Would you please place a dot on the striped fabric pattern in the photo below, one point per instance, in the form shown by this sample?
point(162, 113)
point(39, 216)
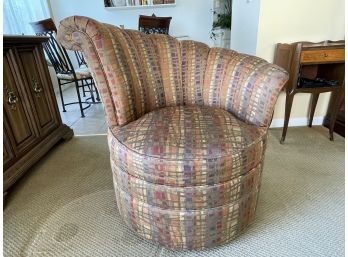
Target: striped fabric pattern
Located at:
point(181, 73)
point(244, 85)
point(194, 57)
point(187, 130)
point(168, 54)
point(153, 90)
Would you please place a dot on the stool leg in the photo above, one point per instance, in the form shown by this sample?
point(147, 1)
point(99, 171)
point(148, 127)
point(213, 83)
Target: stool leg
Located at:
point(315, 97)
point(79, 98)
point(96, 90)
point(90, 86)
point(288, 105)
point(61, 95)
point(83, 89)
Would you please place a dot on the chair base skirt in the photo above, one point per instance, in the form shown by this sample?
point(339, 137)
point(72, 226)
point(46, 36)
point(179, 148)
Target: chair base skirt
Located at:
point(181, 227)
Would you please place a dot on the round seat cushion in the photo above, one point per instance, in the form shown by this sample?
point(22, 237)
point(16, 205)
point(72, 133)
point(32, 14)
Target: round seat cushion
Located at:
point(187, 146)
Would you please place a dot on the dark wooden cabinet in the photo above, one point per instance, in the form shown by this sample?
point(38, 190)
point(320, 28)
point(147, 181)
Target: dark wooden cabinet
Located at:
point(8, 154)
point(32, 123)
point(17, 117)
point(314, 68)
point(30, 61)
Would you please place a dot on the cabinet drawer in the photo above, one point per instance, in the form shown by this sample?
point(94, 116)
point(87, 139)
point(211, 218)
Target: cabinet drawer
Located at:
point(19, 121)
point(318, 56)
point(39, 89)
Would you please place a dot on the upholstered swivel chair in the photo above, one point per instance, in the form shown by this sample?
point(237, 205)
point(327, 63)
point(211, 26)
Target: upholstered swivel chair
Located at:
point(187, 130)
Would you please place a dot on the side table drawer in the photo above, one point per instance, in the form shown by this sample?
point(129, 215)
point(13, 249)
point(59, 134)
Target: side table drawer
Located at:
point(317, 56)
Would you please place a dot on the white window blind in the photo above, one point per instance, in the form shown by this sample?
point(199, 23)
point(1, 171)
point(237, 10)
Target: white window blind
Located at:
point(19, 13)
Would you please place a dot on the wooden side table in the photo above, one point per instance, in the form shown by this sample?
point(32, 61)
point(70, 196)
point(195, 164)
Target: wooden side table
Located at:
point(309, 60)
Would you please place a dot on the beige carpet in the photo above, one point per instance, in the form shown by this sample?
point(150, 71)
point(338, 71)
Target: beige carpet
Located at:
point(65, 206)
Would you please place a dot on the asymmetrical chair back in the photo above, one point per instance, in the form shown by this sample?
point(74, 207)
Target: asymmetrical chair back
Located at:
point(60, 60)
point(187, 130)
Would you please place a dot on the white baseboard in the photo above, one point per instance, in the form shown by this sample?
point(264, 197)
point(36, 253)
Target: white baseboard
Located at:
point(297, 122)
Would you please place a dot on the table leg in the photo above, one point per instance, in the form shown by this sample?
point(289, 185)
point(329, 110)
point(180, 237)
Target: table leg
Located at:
point(333, 116)
point(315, 97)
point(288, 105)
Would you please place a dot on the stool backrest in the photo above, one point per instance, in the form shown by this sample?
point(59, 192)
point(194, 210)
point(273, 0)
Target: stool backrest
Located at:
point(154, 25)
point(56, 53)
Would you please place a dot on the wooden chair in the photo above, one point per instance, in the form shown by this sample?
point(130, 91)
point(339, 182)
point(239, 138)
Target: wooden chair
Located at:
point(66, 73)
point(154, 25)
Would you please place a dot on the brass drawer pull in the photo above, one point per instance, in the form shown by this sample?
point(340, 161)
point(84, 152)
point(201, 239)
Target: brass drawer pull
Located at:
point(36, 87)
point(12, 99)
point(326, 55)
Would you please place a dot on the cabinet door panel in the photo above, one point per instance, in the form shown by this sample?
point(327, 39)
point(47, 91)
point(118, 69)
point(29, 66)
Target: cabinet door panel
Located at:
point(16, 108)
point(8, 154)
point(39, 89)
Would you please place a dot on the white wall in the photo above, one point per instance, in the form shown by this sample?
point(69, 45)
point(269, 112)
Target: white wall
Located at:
point(287, 21)
point(190, 17)
point(244, 28)
point(257, 26)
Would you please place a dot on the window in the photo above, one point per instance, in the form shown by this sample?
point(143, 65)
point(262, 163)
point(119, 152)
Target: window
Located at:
point(19, 13)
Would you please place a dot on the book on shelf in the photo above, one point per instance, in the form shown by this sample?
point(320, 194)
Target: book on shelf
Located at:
point(132, 2)
point(119, 2)
point(111, 3)
point(108, 3)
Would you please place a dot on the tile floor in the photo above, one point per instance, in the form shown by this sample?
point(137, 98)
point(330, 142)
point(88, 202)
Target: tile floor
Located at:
point(94, 121)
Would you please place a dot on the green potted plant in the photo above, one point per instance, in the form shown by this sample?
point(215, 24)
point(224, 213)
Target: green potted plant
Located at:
point(222, 22)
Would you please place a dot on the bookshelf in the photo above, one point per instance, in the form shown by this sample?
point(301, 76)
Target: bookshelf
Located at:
point(133, 4)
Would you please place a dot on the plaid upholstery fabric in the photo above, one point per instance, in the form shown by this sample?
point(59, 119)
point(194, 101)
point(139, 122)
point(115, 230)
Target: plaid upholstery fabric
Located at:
point(187, 130)
point(193, 229)
point(188, 197)
point(187, 145)
point(191, 167)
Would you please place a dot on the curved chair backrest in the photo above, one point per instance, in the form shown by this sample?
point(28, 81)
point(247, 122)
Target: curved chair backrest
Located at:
point(154, 25)
point(48, 28)
point(136, 73)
